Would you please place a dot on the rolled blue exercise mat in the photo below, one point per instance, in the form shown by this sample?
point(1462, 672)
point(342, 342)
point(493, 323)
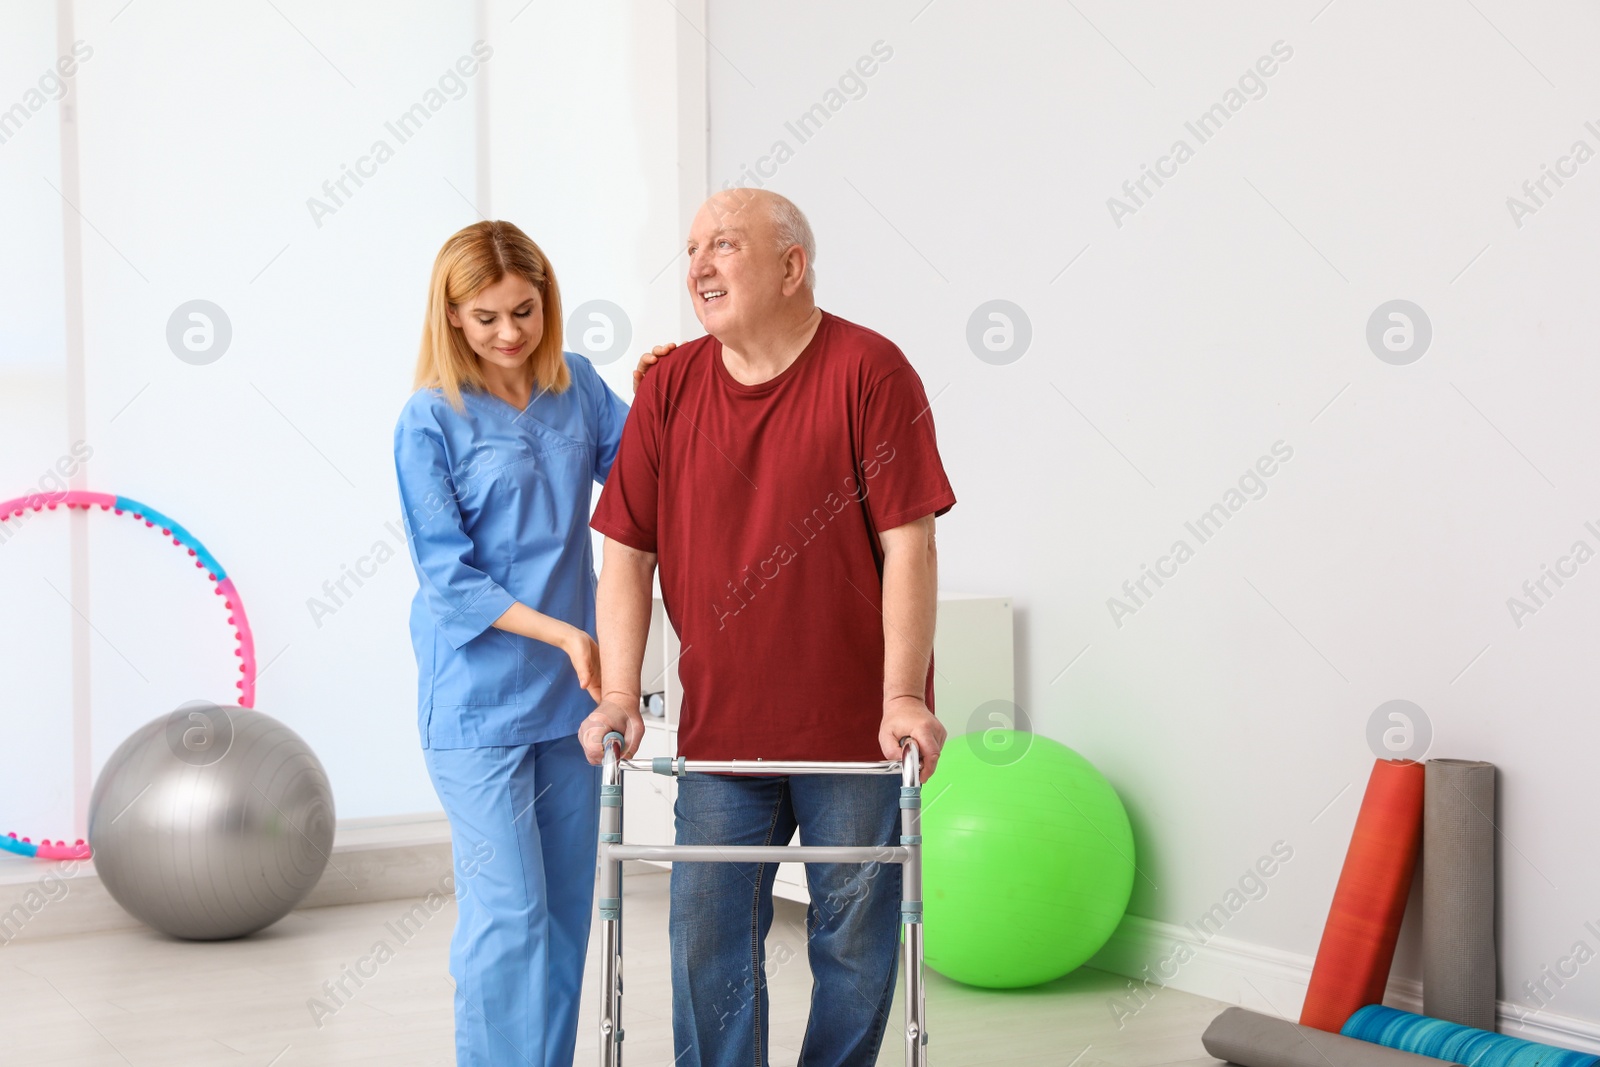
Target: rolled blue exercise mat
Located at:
point(1458, 1044)
point(1251, 1039)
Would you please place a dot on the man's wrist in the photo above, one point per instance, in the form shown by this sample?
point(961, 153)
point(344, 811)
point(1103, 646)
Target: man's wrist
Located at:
point(901, 700)
point(625, 699)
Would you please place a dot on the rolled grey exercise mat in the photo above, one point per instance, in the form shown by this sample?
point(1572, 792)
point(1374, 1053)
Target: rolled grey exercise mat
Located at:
point(1458, 850)
point(1251, 1039)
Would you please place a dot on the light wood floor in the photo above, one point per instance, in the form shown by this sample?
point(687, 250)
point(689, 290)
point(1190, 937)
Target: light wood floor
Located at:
point(137, 998)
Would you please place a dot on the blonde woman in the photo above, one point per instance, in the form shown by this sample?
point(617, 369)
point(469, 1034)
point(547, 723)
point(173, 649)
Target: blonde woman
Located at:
point(497, 453)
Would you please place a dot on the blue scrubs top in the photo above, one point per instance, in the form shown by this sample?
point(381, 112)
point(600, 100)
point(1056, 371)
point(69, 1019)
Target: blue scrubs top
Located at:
point(497, 506)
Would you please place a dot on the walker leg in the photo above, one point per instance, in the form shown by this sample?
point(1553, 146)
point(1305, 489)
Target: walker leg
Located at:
point(916, 1003)
point(610, 909)
point(611, 996)
point(911, 908)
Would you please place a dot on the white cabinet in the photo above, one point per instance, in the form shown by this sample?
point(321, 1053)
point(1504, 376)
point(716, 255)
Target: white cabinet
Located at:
point(972, 658)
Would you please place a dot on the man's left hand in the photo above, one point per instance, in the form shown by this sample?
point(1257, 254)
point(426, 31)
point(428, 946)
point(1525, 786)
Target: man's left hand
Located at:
point(910, 717)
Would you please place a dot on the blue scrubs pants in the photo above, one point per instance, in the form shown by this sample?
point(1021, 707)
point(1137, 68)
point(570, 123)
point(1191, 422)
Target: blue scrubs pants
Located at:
point(524, 821)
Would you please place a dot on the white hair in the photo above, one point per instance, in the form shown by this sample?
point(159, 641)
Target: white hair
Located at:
point(793, 229)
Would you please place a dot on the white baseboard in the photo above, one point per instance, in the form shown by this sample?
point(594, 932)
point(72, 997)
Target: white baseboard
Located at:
point(389, 858)
point(1154, 955)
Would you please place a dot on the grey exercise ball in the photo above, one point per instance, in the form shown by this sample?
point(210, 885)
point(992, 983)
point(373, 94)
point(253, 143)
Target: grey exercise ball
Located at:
point(211, 822)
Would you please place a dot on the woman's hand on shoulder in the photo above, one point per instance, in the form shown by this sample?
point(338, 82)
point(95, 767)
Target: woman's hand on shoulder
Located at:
point(647, 360)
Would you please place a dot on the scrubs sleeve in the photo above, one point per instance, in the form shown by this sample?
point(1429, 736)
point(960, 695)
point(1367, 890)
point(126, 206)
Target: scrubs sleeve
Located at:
point(627, 510)
point(613, 416)
point(463, 599)
point(607, 413)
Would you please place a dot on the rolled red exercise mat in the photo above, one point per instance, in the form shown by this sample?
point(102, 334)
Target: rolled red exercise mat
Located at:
point(1251, 1039)
point(1358, 941)
point(1458, 857)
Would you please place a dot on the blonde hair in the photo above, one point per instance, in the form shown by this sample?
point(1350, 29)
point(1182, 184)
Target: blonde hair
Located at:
point(470, 261)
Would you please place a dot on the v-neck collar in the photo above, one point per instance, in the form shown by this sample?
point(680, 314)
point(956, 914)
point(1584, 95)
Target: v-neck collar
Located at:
point(504, 407)
point(523, 420)
point(486, 394)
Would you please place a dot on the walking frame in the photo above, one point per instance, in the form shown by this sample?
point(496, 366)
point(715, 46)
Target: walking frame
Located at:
point(612, 852)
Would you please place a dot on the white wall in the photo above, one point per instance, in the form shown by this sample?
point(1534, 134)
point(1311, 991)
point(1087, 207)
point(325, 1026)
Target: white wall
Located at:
point(1229, 313)
point(35, 571)
point(204, 133)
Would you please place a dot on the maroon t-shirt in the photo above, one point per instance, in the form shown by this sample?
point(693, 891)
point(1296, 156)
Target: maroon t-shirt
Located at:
point(763, 504)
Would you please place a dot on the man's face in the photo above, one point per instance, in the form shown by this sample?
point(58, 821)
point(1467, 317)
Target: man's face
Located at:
point(736, 270)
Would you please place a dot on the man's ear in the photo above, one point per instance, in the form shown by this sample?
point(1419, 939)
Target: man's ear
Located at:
point(794, 270)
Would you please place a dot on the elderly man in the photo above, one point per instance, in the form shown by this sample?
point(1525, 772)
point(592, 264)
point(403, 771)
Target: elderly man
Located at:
point(784, 474)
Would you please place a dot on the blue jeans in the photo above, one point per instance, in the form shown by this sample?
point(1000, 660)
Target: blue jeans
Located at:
point(721, 913)
point(524, 827)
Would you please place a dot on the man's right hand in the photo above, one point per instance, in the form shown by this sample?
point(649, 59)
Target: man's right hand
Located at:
point(612, 714)
point(646, 360)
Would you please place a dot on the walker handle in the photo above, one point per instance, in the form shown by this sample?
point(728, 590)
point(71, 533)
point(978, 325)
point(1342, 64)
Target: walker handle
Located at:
point(605, 742)
point(910, 762)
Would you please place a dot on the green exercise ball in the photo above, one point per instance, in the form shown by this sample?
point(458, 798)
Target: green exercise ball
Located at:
point(1027, 860)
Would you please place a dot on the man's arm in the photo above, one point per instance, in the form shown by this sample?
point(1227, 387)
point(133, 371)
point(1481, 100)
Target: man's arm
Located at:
point(910, 601)
point(622, 620)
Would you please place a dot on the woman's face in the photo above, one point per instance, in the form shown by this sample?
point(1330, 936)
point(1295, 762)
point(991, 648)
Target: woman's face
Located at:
point(503, 322)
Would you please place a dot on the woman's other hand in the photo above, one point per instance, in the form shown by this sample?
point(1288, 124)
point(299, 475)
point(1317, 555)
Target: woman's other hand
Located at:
point(585, 656)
